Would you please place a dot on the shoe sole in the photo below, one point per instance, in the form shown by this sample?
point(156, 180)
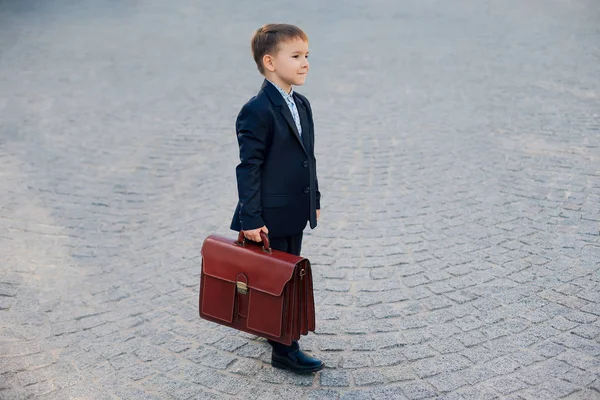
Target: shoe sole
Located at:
point(279, 365)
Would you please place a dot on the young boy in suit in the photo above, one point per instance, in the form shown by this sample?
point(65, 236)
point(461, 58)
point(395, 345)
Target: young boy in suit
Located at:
point(276, 178)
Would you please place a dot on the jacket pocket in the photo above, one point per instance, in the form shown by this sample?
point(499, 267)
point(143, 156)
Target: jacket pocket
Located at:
point(275, 201)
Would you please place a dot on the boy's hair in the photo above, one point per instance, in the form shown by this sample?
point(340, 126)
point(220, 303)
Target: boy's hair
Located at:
point(267, 38)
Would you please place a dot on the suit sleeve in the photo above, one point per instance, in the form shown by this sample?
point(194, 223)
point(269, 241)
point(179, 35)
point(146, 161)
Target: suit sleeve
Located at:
point(318, 203)
point(252, 130)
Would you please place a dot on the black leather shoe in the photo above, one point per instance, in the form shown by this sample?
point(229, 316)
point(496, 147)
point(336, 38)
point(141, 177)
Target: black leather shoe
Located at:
point(296, 361)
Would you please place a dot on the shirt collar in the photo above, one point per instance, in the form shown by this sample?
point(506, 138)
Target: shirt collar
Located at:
point(283, 93)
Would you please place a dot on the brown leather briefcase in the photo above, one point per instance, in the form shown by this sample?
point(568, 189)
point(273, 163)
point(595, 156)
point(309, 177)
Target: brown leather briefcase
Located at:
point(255, 289)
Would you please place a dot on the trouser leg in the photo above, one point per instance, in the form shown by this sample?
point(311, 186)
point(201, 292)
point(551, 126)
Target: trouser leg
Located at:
point(292, 245)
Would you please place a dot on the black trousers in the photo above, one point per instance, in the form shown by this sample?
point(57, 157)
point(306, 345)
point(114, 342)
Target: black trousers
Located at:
point(289, 244)
point(292, 245)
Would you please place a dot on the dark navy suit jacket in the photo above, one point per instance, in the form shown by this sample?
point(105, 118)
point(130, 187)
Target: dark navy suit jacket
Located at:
point(276, 178)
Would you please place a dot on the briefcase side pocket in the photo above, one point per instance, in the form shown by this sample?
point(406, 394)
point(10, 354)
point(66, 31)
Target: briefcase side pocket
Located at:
point(265, 313)
point(218, 298)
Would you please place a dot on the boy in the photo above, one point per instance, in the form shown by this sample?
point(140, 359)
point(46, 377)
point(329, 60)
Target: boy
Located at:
point(277, 181)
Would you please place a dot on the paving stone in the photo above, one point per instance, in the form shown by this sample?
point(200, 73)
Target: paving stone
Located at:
point(586, 394)
point(526, 357)
point(65, 327)
point(40, 388)
point(515, 325)
point(562, 323)
point(27, 378)
point(587, 331)
point(417, 390)
point(595, 385)
point(233, 385)
point(331, 360)
point(418, 352)
point(559, 387)
point(450, 396)
point(208, 378)
point(440, 317)
point(17, 394)
point(84, 390)
point(165, 363)
point(535, 394)
point(461, 296)
point(399, 373)
point(506, 345)
point(364, 377)
point(414, 321)
point(414, 337)
point(415, 280)
point(579, 378)
point(549, 349)
point(472, 338)
point(332, 344)
point(178, 346)
point(230, 344)
point(330, 313)
point(446, 330)
point(583, 345)
point(253, 350)
point(273, 375)
point(137, 372)
point(591, 308)
point(356, 395)
point(246, 367)
point(477, 374)
point(323, 394)
point(177, 389)
point(503, 365)
point(580, 360)
point(388, 392)
point(508, 385)
point(468, 323)
point(436, 365)
point(447, 382)
point(335, 378)
point(148, 353)
point(356, 361)
point(91, 322)
point(123, 361)
point(217, 359)
point(388, 357)
point(445, 346)
point(436, 303)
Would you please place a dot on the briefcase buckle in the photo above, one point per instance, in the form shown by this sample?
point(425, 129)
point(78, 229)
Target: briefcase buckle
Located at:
point(242, 288)
point(302, 273)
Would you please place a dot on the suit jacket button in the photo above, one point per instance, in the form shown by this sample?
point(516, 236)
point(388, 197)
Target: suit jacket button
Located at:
point(305, 164)
point(306, 189)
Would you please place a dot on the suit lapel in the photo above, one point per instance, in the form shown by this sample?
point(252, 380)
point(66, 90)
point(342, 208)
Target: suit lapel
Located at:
point(303, 122)
point(287, 114)
point(280, 103)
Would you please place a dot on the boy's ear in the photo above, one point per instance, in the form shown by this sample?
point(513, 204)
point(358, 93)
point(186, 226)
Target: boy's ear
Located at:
point(268, 62)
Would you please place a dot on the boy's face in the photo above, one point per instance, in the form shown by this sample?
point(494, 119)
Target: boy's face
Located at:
point(290, 64)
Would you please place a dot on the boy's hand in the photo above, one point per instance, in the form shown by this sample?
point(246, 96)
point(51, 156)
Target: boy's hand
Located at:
point(254, 234)
point(318, 214)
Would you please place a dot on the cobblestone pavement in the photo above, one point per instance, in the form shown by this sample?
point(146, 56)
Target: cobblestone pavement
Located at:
point(458, 145)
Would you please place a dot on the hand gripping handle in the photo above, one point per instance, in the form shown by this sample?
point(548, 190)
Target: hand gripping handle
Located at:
point(265, 240)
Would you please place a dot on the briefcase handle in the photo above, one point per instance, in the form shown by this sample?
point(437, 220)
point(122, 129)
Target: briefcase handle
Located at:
point(265, 239)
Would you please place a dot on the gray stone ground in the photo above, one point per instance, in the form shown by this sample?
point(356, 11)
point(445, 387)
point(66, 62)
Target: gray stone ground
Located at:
point(458, 143)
